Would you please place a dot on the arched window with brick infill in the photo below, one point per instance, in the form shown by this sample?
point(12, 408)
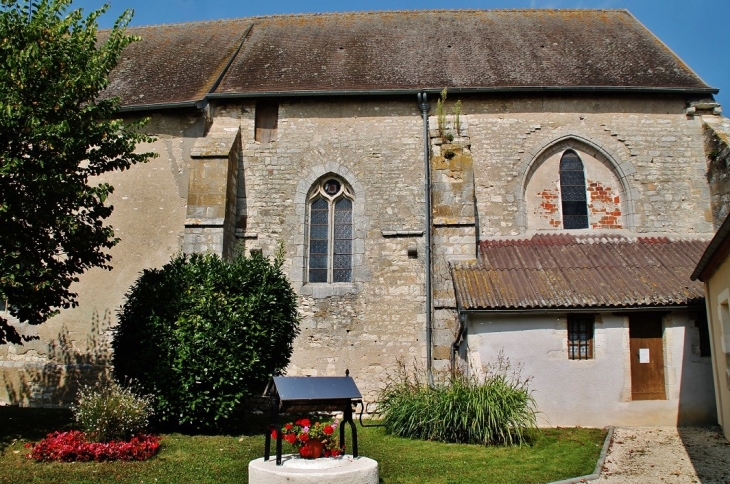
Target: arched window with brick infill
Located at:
point(573, 191)
point(330, 232)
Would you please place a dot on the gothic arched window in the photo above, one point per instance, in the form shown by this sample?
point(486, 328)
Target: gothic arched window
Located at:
point(330, 232)
point(573, 191)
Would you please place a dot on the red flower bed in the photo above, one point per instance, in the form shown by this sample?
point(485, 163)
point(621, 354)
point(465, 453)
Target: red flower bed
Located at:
point(72, 447)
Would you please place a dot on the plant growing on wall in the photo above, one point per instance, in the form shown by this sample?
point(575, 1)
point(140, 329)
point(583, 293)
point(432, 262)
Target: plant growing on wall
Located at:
point(456, 111)
point(202, 334)
point(56, 135)
point(441, 113)
point(441, 116)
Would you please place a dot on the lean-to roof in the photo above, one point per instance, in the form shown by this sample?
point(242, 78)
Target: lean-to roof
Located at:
point(586, 271)
point(403, 51)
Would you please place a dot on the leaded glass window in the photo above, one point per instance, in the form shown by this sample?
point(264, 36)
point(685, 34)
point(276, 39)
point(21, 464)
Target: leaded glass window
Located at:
point(573, 192)
point(330, 232)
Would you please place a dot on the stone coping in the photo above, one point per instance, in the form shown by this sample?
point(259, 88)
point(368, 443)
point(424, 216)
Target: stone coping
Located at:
point(361, 470)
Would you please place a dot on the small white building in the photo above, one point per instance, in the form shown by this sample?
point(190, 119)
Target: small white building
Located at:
point(609, 328)
point(714, 270)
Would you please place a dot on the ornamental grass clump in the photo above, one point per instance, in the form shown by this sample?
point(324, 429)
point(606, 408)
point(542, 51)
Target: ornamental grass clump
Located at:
point(496, 410)
point(109, 411)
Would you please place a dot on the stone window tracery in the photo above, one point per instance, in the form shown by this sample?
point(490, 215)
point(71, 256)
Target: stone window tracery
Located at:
point(573, 191)
point(330, 232)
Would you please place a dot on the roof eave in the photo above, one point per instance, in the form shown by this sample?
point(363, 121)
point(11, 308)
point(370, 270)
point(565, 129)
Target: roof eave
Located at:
point(461, 90)
point(602, 309)
point(162, 106)
point(407, 92)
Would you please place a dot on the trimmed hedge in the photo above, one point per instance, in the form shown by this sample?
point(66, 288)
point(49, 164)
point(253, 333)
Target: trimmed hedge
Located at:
point(202, 334)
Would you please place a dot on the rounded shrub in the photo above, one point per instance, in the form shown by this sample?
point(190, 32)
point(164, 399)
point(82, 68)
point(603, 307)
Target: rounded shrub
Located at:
point(202, 334)
point(108, 411)
point(496, 410)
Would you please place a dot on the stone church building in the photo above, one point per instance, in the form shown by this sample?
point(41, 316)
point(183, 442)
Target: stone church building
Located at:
point(551, 213)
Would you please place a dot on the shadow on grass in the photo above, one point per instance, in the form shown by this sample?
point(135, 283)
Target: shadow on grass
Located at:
point(246, 424)
point(31, 424)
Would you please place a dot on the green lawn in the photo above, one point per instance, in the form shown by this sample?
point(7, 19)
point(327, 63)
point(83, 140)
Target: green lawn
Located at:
point(557, 454)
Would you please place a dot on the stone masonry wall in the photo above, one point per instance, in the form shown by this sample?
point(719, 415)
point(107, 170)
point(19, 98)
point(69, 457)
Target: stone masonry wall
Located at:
point(654, 152)
point(717, 148)
point(149, 213)
point(368, 325)
point(657, 148)
point(212, 190)
point(454, 227)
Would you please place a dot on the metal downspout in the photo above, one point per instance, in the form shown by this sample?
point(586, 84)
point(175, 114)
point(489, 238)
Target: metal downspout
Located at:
point(423, 104)
point(459, 339)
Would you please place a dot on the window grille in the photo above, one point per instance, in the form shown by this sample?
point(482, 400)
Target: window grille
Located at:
point(580, 337)
point(330, 232)
point(573, 191)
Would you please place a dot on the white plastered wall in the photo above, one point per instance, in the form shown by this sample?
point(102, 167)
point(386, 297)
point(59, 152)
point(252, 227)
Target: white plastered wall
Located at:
point(596, 392)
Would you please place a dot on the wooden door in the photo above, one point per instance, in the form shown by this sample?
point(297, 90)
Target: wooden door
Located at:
point(647, 357)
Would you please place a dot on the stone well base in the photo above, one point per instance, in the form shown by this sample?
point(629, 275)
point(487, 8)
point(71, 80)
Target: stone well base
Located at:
point(332, 470)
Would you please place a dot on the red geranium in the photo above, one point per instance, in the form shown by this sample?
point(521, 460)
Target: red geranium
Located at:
point(299, 433)
point(72, 447)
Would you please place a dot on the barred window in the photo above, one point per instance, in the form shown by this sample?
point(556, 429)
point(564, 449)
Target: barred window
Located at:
point(330, 232)
point(573, 191)
point(580, 337)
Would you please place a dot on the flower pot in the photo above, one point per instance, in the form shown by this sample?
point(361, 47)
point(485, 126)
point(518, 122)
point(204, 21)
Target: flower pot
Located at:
point(313, 449)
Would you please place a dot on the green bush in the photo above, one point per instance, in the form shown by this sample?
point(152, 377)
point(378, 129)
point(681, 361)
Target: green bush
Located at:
point(202, 334)
point(497, 409)
point(109, 411)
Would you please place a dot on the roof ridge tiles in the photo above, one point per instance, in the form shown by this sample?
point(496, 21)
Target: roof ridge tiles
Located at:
point(376, 12)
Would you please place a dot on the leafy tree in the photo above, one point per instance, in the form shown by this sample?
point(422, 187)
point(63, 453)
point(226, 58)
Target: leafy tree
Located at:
point(56, 135)
point(202, 334)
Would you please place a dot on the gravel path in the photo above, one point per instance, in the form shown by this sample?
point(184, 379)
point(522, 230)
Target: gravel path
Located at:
point(667, 455)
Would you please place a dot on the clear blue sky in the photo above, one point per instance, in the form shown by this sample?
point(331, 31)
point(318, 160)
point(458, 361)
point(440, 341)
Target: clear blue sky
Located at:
point(696, 30)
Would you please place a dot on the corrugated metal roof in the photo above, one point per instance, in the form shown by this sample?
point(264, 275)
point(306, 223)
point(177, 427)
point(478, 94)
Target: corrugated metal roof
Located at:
point(406, 50)
point(580, 271)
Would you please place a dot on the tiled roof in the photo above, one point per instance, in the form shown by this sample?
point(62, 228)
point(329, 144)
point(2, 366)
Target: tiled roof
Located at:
point(401, 51)
point(570, 271)
point(175, 63)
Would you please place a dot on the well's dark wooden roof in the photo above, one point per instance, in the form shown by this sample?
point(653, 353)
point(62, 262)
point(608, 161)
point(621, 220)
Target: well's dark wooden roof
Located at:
point(399, 51)
point(587, 271)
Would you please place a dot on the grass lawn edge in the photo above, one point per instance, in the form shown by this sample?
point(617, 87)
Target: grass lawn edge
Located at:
point(599, 463)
